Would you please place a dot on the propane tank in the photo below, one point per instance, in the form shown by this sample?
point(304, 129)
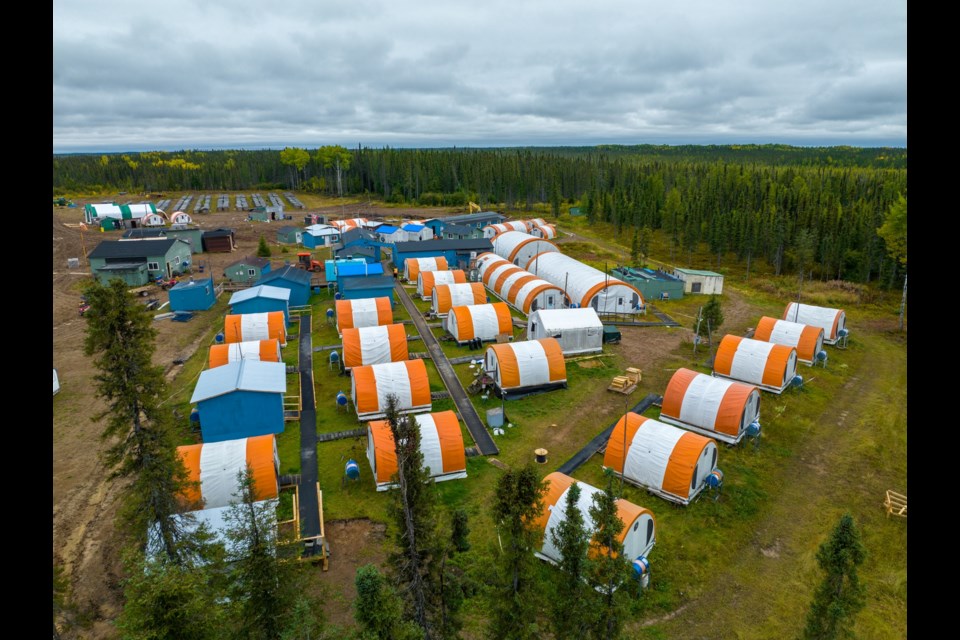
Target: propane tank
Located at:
point(352, 470)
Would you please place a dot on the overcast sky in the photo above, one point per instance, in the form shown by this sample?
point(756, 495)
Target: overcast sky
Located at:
point(175, 74)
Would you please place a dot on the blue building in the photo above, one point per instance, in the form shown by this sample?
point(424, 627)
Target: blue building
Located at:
point(390, 234)
point(320, 235)
point(330, 267)
point(289, 277)
point(356, 287)
point(416, 232)
point(193, 295)
point(360, 238)
point(367, 254)
point(240, 400)
point(262, 298)
point(475, 220)
point(457, 252)
point(361, 270)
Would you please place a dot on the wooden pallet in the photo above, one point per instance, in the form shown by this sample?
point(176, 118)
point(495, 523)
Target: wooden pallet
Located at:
point(896, 504)
point(626, 384)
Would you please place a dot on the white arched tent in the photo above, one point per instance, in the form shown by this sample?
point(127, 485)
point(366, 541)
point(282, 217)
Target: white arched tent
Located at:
point(714, 407)
point(832, 321)
point(765, 364)
point(586, 286)
point(805, 338)
point(520, 247)
point(483, 321)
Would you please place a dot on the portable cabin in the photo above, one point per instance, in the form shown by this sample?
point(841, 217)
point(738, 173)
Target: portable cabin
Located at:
point(330, 267)
point(832, 321)
point(806, 338)
point(412, 267)
point(360, 287)
point(391, 234)
point(374, 345)
point(193, 295)
point(240, 399)
point(427, 280)
point(637, 537)
point(446, 296)
point(546, 231)
point(137, 262)
point(214, 467)
point(765, 364)
point(665, 460)
point(714, 407)
point(219, 241)
point(250, 269)
point(264, 350)
point(245, 327)
point(493, 230)
point(320, 235)
point(700, 281)
point(519, 247)
point(416, 232)
point(290, 235)
point(483, 321)
point(366, 312)
point(408, 381)
point(586, 286)
point(441, 443)
point(262, 298)
point(362, 269)
point(521, 368)
point(290, 277)
point(577, 330)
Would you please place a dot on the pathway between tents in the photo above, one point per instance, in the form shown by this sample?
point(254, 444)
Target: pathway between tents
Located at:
point(467, 411)
point(309, 506)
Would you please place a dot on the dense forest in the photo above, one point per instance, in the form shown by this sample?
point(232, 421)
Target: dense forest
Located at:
point(798, 208)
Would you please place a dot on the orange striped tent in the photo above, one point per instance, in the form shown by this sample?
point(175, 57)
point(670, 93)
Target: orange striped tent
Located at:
point(370, 386)
point(806, 338)
point(374, 345)
point(484, 321)
point(352, 223)
point(441, 443)
point(427, 280)
point(245, 327)
point(546, 231)
point(667, 461)
point(446, 296)
point(525, 367)
point(214, 466)
point(714, 407)
point(832, 321)
point(533, 223)
point(493, 230)
point(413, 266)
point(519, 247)
point(266, 350)
point(363, 312)
point(769, 366)
point(638, 534)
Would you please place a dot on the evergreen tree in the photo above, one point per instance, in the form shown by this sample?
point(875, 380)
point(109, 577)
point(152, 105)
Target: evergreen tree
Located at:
point(635, 249)
point(804, 251)
point(608, 570)
point(263, 249)
point(840, 596)
point(460, 531)
point(142, 446)
point(712, 318)
point(379, 610)
point(518, 502)
point(571, 605)
point(894, 234)
point(643, 245)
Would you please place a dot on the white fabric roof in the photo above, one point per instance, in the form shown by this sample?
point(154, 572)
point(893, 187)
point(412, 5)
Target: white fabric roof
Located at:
point(245, 375)
point(216, 521)
point(822, 317)
point(260, 291)
point(579, 279)
point(559, 319)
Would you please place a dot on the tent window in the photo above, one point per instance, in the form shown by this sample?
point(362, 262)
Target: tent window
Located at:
point(636, 525)
point(533, 328)
point(693, 480)
point(550, 300)
point(649, 530)
point(713, 463)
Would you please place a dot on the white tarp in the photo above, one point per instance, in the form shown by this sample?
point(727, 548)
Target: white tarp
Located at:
point(532, 363)
point(253, 326)
point(579, 330)
point(486, 324)
point(520, 247)
point(56, 382)
point(461, 294)
point(609, 295)
point(220, 462)
point(822, 317)
point(364, 312)
point(649, 453)
point(430, 444)
point(702, 400)
point(556, 517)
point(551, 298)
point(375, 344)
point(750, 360)
point(392, 377)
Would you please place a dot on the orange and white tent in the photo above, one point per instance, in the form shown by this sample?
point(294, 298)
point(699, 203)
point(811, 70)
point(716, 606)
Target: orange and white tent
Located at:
point(427, 280)
point(484, 321)
point(721, 409)
point(413, 266)
point(179, 217)
point(216, 465)
point(351, 223)
point(546, 231)
point(517, 287)
point(265, 350)
point(638, 534)
point(441, 443)
point(484, 258)
point(493, 230)
point(408, 381)
point(447, 296)
point(245, 327)
point(374, 345)
point(832, 321)
point(667, 461)
point(535, 222)
point(519, 247)
point(769, 366)
point(363, 312)
point(806, 338)
point(532, 365)
point(586, 286)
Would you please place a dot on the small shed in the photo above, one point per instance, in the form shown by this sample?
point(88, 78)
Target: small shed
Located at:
point(290, 235)
point(416, 232)
point(289, 277)
point(654, 284)
point(699, 281)
point(219, 241)
point(391, 234)
point(250, 269)
point(320, 235)
point(240, 400)
point(193, 295)
point(262, 298)
point(577, 330)
point(358, 287)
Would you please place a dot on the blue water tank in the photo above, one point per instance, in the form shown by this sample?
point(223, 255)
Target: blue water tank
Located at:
point(329, 313)
point(641, 566)
point(337, 296)
point(195, 416)
point(342, 399)
point(715, 479)
point(821, 356)
point(219, 338)
point(353, 469)
point(797, 381)
point(753, 429)
point(334, 357)
point(842, 333)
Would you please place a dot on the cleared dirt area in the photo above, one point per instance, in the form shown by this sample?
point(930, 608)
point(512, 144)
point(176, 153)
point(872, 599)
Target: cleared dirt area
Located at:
point(356, 542)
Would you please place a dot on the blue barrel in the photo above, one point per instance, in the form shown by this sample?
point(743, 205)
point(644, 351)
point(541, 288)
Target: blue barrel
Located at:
point(219, 338)
point(821, 356)
point(316, 289)
point(753, 429)
point(195, 416)
point(842, 333)
point(329, 313)
point(337, 296)
point(641, 567)
point(334, 357)
point(797, 381)
point(353, 469)
point(342, 399)
point(715, 479)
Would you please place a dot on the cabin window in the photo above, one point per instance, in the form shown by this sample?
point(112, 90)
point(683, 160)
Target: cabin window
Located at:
point(251, 272)
point(153, 266)
point(176, 259)
point(695, 287)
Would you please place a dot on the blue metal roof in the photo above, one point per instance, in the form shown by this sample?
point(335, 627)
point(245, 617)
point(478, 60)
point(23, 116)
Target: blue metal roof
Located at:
point(260, 291)
point(245, 375)
point(180, 286)
point(412, 227)
point(359, 269)
point(385, 228)
point(355, 283)
point(287, 273)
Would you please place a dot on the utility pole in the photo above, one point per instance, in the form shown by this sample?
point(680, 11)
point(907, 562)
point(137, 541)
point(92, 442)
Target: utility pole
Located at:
point(696, 333)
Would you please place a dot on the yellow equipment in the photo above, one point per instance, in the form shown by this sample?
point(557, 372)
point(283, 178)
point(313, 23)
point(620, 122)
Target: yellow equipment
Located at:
point(474, 207)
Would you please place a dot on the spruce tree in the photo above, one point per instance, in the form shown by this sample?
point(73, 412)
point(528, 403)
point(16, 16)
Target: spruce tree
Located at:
point(608, 570)
point(712, 318)
point(840, 596)
point(379, 610)
point(263, 249)
point(459, 531)
point(572, 598)
point(518, 502)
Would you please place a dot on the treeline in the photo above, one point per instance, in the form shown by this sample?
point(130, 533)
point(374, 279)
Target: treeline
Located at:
point(775, 202)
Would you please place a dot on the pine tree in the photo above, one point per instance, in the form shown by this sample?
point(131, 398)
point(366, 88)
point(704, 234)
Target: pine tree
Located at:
point(572, 598)
point(712, 318)
point(608, 570)
point(635, 249)
point(142, 446)
point(840, 596)
point(459, 531)
point(518, 502)
point(263, 249)
point(894, 234)
point(379, 610)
